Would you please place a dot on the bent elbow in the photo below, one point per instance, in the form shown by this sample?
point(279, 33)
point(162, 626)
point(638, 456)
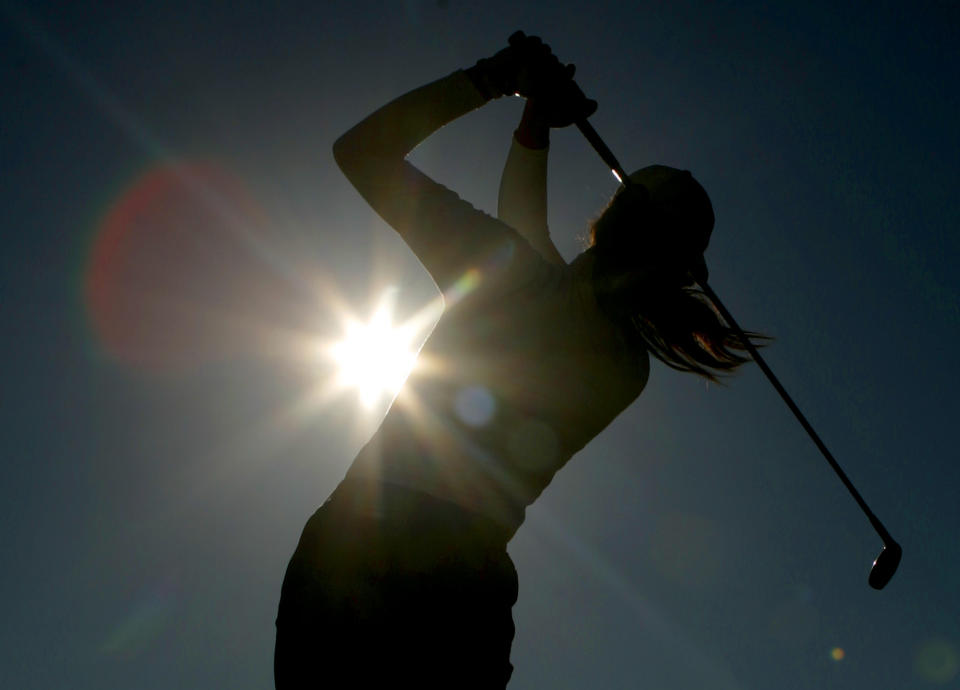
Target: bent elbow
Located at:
point(360, 160)
point(356, 156)
point(343, 153)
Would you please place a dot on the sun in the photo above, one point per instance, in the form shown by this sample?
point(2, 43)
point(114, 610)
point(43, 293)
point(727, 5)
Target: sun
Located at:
point(375, 357)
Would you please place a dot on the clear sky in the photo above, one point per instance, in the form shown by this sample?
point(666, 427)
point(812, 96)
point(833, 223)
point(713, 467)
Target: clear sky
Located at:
point(162, 435)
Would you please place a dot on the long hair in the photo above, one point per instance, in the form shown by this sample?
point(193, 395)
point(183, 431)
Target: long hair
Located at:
point(675, 322)
point(681, 328)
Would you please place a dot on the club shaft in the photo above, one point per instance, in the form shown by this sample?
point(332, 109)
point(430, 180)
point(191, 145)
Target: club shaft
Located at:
point(607, 155)
point(728, 317)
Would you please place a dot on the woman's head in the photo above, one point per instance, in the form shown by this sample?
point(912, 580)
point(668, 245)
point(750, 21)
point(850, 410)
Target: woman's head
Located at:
point(659, 223)
point(648, 249)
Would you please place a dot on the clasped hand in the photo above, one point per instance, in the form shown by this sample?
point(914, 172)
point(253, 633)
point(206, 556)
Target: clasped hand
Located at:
point(529, 68)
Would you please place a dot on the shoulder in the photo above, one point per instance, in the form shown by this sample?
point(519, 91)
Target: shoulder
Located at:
point(608, 340)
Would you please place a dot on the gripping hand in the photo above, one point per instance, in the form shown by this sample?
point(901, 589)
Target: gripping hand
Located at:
point(527, 67)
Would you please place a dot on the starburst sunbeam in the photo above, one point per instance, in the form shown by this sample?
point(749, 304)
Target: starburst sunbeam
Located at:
point(376, 356)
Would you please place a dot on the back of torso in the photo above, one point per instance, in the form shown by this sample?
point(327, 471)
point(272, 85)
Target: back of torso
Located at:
point(508, 387)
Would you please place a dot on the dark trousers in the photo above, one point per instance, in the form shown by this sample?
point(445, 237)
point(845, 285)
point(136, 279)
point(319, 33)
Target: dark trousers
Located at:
point(390, 587)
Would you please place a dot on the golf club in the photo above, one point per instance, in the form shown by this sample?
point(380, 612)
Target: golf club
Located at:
point(885, 565)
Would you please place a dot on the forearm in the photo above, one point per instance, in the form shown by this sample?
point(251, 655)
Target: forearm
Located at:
point(522, 199)
point(446, 233)
point(522, 202)
point(533, 132)
point(390, 133)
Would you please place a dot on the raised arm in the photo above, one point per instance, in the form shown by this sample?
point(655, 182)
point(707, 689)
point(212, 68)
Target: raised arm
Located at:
point(430, 218)
point(523, 185)
point(447, 234)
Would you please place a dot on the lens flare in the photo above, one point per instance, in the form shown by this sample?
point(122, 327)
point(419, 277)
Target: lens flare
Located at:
point(475, 405)
point(175, 268)
point(146, 619)
point(937, 661)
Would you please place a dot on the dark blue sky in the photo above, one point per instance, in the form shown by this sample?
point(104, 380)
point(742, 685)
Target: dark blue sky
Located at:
point(152, 499)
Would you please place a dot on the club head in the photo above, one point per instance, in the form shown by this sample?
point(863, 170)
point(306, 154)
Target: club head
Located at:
point(885, 565)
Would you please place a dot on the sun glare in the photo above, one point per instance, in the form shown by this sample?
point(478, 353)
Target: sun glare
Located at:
point(375, 357)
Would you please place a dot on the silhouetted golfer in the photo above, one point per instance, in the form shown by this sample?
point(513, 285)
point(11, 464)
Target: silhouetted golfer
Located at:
point(402, 578)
